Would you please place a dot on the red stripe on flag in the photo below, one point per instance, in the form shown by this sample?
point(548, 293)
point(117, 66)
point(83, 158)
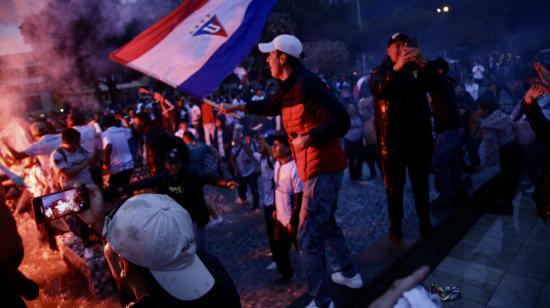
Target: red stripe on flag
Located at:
point(156, 33)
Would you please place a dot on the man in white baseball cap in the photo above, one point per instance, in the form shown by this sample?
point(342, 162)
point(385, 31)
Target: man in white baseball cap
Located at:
point(314, 121)
point(150, 248)
point(286, 43)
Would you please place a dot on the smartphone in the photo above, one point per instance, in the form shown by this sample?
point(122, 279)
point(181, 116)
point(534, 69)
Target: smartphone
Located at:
point(411, 43)
point(60, 204)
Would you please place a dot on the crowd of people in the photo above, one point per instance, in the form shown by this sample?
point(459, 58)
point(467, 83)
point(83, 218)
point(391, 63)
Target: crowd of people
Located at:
point(288, 143)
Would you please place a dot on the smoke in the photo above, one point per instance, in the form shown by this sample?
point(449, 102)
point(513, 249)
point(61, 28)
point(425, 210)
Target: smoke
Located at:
point(13, 11)
point(72, 39)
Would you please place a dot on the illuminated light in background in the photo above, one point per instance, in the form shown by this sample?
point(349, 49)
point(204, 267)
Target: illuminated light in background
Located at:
point(446, 9)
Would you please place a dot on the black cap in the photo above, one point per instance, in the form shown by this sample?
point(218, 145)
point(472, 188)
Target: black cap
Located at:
point(282, 138)
point(440, 63)
point(172, 156)
point(398, 37)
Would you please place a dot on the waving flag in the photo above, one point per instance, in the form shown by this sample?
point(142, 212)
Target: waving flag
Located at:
point(197, 45)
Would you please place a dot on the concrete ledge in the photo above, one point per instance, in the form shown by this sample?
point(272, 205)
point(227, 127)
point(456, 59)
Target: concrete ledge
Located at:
point(386, 260)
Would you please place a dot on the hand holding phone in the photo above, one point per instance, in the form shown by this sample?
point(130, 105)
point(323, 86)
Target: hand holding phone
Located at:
point(60, 204)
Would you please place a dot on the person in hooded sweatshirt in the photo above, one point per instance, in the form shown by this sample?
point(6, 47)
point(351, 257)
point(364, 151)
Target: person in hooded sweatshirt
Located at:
point(501, 144)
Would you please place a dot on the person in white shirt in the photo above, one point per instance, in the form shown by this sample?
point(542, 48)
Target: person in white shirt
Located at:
point(246, 169)
point(42, 148)
point(195, 115)
point(184, 127)
point(90, 139)
point(288, 198)
point(267, 163)
point(117, 157)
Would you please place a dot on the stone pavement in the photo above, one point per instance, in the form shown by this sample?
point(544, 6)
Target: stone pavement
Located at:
point(503, 261)
point(240, 242)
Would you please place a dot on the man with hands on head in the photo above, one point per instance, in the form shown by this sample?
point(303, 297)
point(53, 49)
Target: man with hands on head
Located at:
point(404, 130)
point(314, 120)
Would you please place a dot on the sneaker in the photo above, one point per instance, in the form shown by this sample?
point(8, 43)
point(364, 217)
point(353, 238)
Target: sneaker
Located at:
point(314, 305)
point(354, 282)
point(216, 221)
point(272, 266)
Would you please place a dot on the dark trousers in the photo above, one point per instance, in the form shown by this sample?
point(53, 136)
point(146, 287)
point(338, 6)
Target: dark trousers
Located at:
point(510, 171)
point(270, 227)
point(371, 156)
point(281, 248)
point(97, 175)
point(252, 181)
point(121, 178)
point(355, 159)
point(395, 169)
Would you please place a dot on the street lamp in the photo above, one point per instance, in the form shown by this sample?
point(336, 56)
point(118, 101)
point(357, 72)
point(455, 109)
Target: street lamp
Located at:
point(444, 9)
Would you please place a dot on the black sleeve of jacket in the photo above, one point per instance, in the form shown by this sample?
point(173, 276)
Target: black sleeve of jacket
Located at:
point(268, 107)
point(383, 81)
point(319, 101)
point(429, 78)
point(538, 121)
point(208, 179)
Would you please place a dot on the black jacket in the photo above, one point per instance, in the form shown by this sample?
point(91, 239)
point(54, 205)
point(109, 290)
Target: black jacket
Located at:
point(541, 126)
point(445, 105)
point(402, 113)
point(185, 188)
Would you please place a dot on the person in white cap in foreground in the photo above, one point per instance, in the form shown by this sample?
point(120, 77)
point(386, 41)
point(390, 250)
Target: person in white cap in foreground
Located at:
point(150, 248)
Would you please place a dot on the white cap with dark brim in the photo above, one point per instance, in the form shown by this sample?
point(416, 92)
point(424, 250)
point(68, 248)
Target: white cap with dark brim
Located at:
point(155, 232)
point(286, 43)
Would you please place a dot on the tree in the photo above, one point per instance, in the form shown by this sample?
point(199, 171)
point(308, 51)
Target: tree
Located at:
point(327, 56)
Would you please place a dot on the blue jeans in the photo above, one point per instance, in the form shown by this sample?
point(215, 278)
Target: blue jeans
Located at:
point(446, 163)
point(317, 225)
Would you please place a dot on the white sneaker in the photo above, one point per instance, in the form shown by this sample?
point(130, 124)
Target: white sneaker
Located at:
point(272, 266)
point(314, 305)
point(354, 282)
point(216, 221)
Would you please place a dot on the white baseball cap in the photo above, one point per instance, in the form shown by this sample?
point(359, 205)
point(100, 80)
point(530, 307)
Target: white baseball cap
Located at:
point(286, 43)
point(155, 232)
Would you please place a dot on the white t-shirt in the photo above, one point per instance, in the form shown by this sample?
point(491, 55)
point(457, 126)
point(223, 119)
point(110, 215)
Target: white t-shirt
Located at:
point(478, 71)
point(70, 160)
point(287, 183)
point(244, 162)
point(121, 157)
point(179, 133)
point(90, 139)
point(43, 148)
point(195, 115)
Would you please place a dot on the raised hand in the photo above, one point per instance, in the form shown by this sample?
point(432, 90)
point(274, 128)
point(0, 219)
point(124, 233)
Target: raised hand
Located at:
point(533, 93)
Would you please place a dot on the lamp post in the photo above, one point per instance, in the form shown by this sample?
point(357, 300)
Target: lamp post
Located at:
point(360, 27)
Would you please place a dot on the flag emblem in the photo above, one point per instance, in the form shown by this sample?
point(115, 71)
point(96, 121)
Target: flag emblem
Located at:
point(212, 27)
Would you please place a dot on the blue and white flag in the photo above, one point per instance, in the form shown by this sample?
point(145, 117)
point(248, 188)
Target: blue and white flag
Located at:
point(198, 44)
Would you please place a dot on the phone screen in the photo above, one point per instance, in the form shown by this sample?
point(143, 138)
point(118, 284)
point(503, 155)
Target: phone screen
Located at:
point(60, 204)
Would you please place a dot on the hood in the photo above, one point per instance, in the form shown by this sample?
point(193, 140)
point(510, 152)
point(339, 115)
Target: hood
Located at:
point(497, 120)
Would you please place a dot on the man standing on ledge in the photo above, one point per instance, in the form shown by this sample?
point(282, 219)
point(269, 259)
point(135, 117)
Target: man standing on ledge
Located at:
point(404, 129)
point(313, 120)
